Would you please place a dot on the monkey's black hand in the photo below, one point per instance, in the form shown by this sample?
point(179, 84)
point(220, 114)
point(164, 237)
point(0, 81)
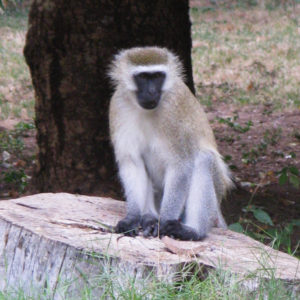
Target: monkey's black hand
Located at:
point(128, 226)
point(149, 225)
point(177, 230)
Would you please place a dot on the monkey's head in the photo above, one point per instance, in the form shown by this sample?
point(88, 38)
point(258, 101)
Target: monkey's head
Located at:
point(147, 72)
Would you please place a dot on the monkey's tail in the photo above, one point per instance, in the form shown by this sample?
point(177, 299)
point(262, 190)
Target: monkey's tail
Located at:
point(223, 177)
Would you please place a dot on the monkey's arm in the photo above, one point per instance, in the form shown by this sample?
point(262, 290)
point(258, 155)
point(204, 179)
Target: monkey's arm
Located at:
point(138, 192)
point(175, 193)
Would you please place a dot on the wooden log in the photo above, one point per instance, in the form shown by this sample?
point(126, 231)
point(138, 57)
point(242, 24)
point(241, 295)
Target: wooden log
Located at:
point(49, 241)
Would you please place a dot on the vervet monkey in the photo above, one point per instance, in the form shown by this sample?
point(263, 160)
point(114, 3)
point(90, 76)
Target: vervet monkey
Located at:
point(172, 173)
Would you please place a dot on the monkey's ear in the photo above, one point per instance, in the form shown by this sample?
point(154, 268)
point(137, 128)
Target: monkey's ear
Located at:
point(120, 70)
point(114, 69)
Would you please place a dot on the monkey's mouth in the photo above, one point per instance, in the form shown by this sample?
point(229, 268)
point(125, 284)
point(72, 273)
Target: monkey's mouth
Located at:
point(149, 105)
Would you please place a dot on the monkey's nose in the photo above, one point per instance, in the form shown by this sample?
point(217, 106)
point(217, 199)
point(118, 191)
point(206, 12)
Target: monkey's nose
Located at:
point(152, 90)
point(149, 103)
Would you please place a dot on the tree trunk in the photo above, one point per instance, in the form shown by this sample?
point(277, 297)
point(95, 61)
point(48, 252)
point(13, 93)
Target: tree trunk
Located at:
point(55, 244)
point(68, 48)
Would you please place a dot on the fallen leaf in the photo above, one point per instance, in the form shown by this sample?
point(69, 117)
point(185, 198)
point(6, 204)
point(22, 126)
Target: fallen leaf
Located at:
point(286, 202)
point(250, 86)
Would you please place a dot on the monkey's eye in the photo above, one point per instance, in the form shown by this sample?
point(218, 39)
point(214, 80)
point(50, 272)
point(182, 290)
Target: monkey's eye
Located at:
point(143, 75)
point(158, 75)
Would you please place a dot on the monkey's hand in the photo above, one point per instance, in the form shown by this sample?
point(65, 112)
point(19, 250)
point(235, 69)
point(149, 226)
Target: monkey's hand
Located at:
point(177, 230)
point(149, 225)
point(129, 225)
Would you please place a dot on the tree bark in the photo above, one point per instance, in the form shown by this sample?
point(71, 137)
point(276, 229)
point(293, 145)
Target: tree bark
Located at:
point(55, 244)
point(69, 45)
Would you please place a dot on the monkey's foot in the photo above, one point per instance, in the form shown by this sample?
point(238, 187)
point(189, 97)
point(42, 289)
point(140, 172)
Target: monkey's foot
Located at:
point(128, 226)
point(149, 225)
point(177, 230)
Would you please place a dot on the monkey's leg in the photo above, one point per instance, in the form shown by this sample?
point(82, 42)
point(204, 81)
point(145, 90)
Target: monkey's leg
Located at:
point(175, 194)
point(138, 191)
point(202, 207)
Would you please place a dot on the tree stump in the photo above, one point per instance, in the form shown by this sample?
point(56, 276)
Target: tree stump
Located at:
point(57, 243)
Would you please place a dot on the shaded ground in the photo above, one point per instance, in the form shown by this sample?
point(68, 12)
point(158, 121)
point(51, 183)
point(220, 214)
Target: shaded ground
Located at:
point(258, 158)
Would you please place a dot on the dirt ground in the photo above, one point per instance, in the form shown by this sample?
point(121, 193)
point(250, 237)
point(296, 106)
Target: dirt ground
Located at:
point(256, 174)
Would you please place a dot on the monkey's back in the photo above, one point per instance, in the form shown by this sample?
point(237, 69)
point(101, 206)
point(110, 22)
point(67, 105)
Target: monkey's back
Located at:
point(183, 118)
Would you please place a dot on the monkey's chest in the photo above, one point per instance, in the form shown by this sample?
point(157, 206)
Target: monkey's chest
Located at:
point(150, 144)
point(155, 158)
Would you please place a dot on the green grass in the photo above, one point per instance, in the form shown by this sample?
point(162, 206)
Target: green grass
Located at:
point(112, 283)
point(12, 161)
point(14, 19)
point(255, 52)
point(16, 93)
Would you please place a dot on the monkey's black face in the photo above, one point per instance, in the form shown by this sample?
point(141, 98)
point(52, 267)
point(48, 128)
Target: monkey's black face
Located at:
point(149, 88)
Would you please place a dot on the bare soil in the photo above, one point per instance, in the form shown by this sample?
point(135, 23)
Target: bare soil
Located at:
point(257, 180)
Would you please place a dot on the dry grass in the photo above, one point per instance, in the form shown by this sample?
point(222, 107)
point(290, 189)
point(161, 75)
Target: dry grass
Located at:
point(247, 56)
